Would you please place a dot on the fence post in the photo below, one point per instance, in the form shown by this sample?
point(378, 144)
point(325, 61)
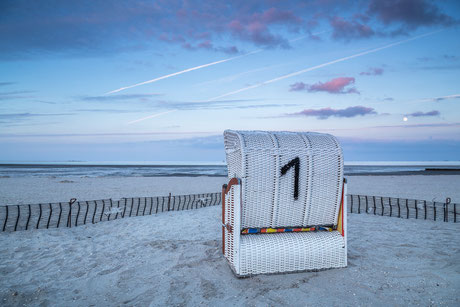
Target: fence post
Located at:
point(434, 209)
point(95, 208)
point(407, 208)
point(399, 209)
point(367, 205)
point(416, 210)
point(351, 203)
point(60, 214)
point(381, 202)
point(138, 205)
point(111, 205)
point(78, 214)
point(455, 213)
point(69, 216)
point(17, 219)
point(169, 200)
point(49, 217)
point(424, 204)
point(375, 207)
point(359, 204)
point(28, 218)
point(446, 212)
point(151, 205)
point(39, 215)
point(391, 208)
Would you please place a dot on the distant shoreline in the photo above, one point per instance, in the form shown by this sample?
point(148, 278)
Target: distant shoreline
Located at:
point(426, 172)
point(15, 170)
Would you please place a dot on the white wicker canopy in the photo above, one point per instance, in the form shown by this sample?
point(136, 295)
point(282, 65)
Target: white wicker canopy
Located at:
point(284, 179)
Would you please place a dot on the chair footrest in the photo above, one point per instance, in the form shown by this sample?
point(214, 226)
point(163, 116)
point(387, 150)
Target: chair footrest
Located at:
point(291, 251)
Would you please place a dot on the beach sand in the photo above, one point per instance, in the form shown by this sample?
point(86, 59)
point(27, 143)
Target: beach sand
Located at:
point(174, 258)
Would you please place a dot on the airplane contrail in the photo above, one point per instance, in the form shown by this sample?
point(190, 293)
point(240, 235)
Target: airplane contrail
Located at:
point(199, 67)
point(182, 72)
point(320, 66)
point(150, 116)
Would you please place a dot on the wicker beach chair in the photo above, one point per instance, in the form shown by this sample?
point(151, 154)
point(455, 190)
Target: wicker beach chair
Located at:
point(283, 209)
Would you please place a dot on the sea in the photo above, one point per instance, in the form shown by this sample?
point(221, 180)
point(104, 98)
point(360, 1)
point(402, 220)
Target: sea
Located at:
point(10, 169)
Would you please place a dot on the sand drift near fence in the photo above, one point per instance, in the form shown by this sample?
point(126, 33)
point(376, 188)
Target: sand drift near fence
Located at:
point(174, 258)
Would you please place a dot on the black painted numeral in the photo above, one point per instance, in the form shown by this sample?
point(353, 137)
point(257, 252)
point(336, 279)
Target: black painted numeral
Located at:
point(296, 163)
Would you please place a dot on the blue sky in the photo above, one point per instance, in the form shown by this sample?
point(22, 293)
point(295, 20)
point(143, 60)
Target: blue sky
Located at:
point(161, 80)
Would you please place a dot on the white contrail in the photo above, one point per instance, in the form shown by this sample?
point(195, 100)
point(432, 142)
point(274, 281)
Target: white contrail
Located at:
point(182, 72)
point(320, 66)
point(199, 67)
point(150, 116)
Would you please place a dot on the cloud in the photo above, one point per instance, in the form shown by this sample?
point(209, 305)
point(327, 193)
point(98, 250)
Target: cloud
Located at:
point(114, 111)
point(256, 27)
point(451, 57)
point(109, 27)
point(373, 71)
point(410, 13)
point(104, 134)
point(119, 97)
point(325, 113)
point(347, 30)
point(7, 83)
point(441, 98)
point(320, 66)
point(335, 86)
point(85, 28)
point(217, 105)
point(424, 114)
point(15, 95)
point(21, 117)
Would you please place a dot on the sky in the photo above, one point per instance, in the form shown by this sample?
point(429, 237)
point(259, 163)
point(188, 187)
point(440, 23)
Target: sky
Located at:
point(161, 80)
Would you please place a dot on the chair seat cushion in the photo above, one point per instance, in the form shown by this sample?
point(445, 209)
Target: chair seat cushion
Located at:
point(291, 251)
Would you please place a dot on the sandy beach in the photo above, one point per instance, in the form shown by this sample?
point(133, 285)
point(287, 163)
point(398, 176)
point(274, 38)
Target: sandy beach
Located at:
point(174, 258)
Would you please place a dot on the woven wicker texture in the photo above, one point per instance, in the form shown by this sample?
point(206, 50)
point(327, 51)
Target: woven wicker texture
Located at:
point(290, 252)
point(257, 158)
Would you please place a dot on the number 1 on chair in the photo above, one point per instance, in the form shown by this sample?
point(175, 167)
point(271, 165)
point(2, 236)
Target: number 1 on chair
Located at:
point(296, 164)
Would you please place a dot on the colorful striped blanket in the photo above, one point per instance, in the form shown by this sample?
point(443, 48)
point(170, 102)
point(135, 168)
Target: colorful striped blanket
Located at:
point(273, 230)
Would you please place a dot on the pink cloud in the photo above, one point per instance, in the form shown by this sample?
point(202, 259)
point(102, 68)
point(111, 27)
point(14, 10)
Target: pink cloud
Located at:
point(255, 27)
point(205, 45)
point(335, 86)
point(343, 29)
point(256, 32)
point(273, 15)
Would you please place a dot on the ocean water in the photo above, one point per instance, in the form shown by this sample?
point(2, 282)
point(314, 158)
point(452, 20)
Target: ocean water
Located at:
point(191, 169)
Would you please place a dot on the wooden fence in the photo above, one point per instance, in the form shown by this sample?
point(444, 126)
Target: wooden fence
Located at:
point(403, 207)
point(76, 213)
